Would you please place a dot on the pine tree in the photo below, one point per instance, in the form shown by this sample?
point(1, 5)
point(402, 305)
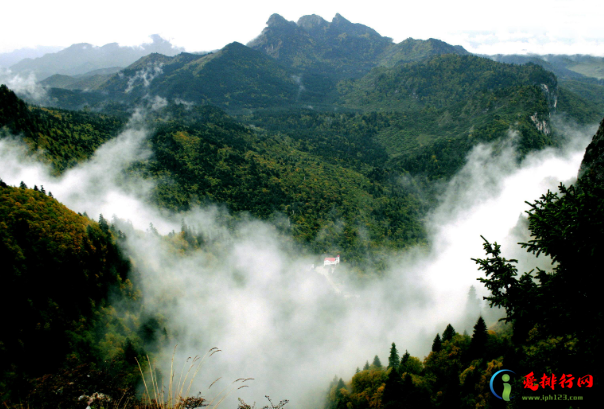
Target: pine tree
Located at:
point(36, 188)
point(402, 368)
point(103, 224)
point(366, 367)
point(358, 370)
point(479, 339)
point(449, 333)
point(436, 344)
point(42, 189)
point(376, 363)
point(393, 359)
point(23, 185)
point(340, 402)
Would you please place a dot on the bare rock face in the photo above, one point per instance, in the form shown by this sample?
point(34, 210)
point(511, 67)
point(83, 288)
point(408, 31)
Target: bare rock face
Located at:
point(592, 166)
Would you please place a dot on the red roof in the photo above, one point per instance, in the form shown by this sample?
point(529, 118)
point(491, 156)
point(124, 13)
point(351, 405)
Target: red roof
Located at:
point(330, 258)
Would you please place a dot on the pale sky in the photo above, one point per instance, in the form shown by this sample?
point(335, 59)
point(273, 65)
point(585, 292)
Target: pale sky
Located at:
point(514, 26)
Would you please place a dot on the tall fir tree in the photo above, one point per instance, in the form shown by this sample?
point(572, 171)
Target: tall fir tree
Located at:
point(436, 344)
point(479, 339)
point(393, 359)
point(376, 363)
point(449, 333)
point(402, 368)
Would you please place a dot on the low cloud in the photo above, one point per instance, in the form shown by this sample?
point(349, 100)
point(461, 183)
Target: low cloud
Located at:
point(144, 76)
point(24, 85)
point(251, 292)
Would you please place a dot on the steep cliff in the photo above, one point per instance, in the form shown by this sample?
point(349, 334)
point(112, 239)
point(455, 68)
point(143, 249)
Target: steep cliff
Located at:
point(592, 166)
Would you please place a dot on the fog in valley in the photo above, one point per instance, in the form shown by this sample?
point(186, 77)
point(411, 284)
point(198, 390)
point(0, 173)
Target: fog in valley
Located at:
point(251, 291)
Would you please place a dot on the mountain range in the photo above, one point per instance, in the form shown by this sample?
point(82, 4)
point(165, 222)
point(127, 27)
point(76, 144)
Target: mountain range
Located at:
point(83, 58)
point(339, 137)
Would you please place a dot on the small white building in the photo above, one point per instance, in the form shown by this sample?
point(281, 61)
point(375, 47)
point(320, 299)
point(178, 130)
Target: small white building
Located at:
point(331, 261)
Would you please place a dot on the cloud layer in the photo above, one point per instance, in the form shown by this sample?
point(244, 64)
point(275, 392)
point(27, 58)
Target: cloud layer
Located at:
point(251, 292)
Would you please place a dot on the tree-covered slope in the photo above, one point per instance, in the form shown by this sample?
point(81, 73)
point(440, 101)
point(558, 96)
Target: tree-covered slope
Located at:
point(438, 82)
point(214, 159)
point(58, 268)
point(64, 137)
point(411, 50)
point(234, 77)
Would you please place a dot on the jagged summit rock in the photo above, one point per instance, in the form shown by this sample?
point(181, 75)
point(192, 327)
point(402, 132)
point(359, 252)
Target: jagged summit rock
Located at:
point(312, 23)
point(276, 20)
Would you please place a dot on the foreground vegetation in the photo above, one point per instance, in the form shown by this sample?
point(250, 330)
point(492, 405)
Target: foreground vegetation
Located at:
point(544, 332)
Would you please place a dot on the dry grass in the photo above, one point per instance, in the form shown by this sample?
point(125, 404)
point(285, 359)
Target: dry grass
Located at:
point(178, 395)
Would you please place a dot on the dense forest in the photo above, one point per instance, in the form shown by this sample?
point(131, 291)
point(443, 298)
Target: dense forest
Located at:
point(342, 141)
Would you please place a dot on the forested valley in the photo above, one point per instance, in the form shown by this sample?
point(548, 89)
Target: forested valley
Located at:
point(272, 158)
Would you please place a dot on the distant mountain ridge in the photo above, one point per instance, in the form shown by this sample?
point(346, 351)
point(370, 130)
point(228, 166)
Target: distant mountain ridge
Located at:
point(13, 57)
point(82, 58)
point(332, 66)
point(287, 64)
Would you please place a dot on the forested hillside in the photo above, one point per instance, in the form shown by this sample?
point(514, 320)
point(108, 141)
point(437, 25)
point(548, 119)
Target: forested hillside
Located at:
point(544, 333)
point(64, 137)
point(59, 271)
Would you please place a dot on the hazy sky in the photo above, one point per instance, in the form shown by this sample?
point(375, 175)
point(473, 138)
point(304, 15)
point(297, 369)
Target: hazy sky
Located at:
point(515, 26)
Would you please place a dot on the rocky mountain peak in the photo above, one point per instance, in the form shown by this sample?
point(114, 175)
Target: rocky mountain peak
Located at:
point(276, 20)
point(312, 22)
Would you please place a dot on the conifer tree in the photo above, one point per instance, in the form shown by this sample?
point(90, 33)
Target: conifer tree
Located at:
point(36, 188)
point(449, 333)
point(366, 367)
point(358, 370)
point(479, 339)
point(402, 368)
point(376, 363)
point(23, 185)
point(393, 359)
point(436, 344)
point(340, 402)
point(103, 224)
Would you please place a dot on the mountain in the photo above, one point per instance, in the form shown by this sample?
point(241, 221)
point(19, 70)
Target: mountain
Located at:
point(202, 155)
point(13, 57)
point(64, 137)
point(87, 81)
point(564, 66)
point(411, 50)
point(339, 48)
point(234, 77)
point(580, 80)
point(82, 58)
